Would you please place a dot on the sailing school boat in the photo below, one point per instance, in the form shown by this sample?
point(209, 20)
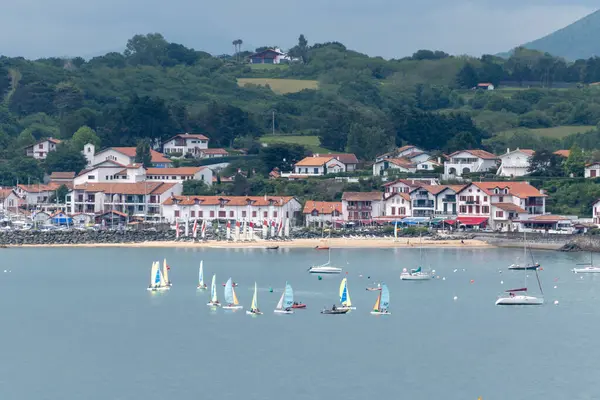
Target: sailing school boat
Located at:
point(383, 302)
point(254, 307)
point(284, 306)
point(201, 284)
point(230, 297)
point(214, 301)
point(157, 280)
point(345, 296)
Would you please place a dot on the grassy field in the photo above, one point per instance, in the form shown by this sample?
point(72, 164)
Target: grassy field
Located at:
point(310, 142)
point(557, 132)
point(262, 67)
point(281, 86)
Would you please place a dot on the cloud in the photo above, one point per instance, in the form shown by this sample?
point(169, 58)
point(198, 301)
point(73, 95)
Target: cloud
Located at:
point(377, 27)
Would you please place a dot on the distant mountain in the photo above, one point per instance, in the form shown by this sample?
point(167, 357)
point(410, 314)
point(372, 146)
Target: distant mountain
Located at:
point(576, 41)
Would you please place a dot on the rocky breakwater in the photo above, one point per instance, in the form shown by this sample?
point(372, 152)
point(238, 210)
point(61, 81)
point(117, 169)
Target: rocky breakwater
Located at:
point(17, 238)
point(583, 243)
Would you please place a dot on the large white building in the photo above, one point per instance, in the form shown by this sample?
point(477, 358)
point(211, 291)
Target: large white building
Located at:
point(362, 206)
point(469, 161)
point(321, 213)
point(121, 155)
point(515, 163)
point(40, 150)
point(193, 144)
point(255, 209)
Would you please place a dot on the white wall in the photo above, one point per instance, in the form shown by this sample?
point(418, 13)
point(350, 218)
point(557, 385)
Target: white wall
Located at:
point(595, 168)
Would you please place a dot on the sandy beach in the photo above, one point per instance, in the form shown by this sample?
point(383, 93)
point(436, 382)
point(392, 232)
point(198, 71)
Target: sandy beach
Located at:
point(296, 243)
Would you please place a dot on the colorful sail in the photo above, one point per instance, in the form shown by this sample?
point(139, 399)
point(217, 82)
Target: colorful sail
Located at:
point(203, 229)
point(254, 305)
point(265, 229)
point(201, 274)
point(385, 297)
point(165, 271)
point(235, 299)
point(288, 300)
point(229, 291)
point(415, 271)
point(377, 306)
point(195, 229)
point(162, 281)
point(154, 275)
point(213, 289)
point(344, 294)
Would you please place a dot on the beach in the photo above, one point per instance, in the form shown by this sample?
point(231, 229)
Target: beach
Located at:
point(296, 243)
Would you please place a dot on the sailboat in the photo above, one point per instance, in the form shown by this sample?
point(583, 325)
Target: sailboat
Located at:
point(383, 302)
point(214, 302)
point(516, 299)
point(165, 273)
point(157, 280)
point(254, 307)
point(284, 306)
point(201, 284)
point(587, 270)
point(325, 268)
point(416, 274)
point(516, 266)
point(345, 296)
point(230, 297)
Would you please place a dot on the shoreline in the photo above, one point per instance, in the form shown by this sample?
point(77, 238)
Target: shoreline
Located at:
point(333, 243)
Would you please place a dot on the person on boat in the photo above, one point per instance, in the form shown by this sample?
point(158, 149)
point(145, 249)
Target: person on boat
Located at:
point(334, 307)
point(288, 309)
point(511, 294)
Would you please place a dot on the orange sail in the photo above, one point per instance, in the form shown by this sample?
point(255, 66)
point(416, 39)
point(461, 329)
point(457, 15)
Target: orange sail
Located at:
point(376, 306)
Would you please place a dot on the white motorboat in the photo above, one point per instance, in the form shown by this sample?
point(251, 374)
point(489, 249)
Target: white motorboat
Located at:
point(324, 269)
point(590, 269)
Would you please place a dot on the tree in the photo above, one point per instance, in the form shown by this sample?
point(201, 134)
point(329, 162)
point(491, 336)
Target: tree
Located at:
point(142, 154)
point(368, 141)
point(241, 186)
point(195, 187)
point(467, 77)
point(83, 136)
point(24, 139)
point(65, 159)
point(575, 163)
point(59, 194)
point(545, 163)
point(150, 49)
point(300, 50)
point(282, 156)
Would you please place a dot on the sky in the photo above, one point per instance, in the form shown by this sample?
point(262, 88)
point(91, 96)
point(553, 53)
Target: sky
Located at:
point(387, 28)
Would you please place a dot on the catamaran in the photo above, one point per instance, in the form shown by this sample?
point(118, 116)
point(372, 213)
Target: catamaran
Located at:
point(165, 273)
point(416, 274)
point(157, 280)
point(383, 302)
point(254, 307)
point(587, 270)
point(325, 268)
point(201, 284)
point(516, 266)
point(230, 297)
point(345, 296)
point(284, 306)
point(214, 302)
point(516, 299)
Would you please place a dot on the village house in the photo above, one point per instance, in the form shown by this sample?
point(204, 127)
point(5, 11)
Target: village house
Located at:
point(109, 171)
point(185, 143)
point(112, 219)
point(428, 165)
point(515, 163)
point(362, 206)
point(83, 219)
point(121, 155)
point(396, 206)
point(390, 166)
point(406, 185)
point(9, 201)
point(322, 213)
point(255, 209)
point(268, 56)
point(596, 212)
point(180, 174)
point(36, 194)
point(213, 153)
point(316, 166)
point(563, 153)
point(469, 161)
point(348, 159)
point(484, 86)
point(141, 198)
point(400, 152)
point(62, 178)
point(40, 150)
point(592, 170)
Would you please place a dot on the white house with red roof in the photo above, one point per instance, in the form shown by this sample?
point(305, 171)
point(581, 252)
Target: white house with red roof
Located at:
point(268, 56)
point(592, 170)
point(469, 161)
point(397, 205)
point(316, 166)
point(391, 166)
point(121, 155)
point(321, 213)
point(9, 200)
point(515, 163)
point(406, 185)
point(400, 152)
point(193, 144)
point(36, 194)
point(362, 206)
point(40, 150)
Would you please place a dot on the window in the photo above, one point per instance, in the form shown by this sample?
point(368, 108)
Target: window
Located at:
point(140, 208)
point(193, 214)
point(496, 191)
point(212, 214)
point(463, 209)
point(484, 199)
point(274, 214)
point(501, 199)
point(200, 214)
point(485, 210)
point(243, 214)
point(463, 198)
point(90, 176)
point(287, 214)
point(506, 191)
point(266, 214)
point(316, 171)
point(402, 211)
point(253, 214)
point(314, 213)
point(499, 214)
point(222, 214)
point(335, 213)
point(176, 213)
point(230, 214)
point(41, 146)
point(393, 210)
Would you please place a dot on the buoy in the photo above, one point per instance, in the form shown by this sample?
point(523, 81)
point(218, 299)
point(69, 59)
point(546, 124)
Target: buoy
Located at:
point(346, 272)
point(455, 298)
point(270, 290)
point(541, 268)
point(455, 270)
point(502, 282)
point(556, 302)
point(472, 281)
point(319, 277)
point(555, 286)
point(444, 278)
point(5, 271)
point(368, 277)
point(360, 276)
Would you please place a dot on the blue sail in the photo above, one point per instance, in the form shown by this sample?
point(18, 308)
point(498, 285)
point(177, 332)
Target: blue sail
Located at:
point(288, 297)
point(344, 297)
point(385, 297)
point(157, 277)
point(229, 292)
point(414, 271)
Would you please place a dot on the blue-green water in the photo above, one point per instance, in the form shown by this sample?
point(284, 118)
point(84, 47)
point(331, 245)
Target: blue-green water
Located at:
point(79, 324)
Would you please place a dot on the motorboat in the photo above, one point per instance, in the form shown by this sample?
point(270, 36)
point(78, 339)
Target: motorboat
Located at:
point(415, 275)
point(298, 305)
point(324, 269)
point(334, 311)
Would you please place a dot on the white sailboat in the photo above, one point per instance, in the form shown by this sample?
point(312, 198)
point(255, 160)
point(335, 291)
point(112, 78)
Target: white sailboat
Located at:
point(254, 310)
point(526, 266)
point(325, 268)
point(201, 284)
point(230, 297)
point(157, 280)
point(416, 274)
point(214, 301)
point(590, 269)
point(383, 302)
point(345, 296)
point(514, 298)
point(284, 306)
point(165, 273)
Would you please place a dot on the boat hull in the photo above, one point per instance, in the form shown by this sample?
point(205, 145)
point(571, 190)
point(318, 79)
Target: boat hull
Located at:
point(526, 268)
point(415, 277)
point(232, 307)
point(589, 270)
point(253, 313)
point(372, 289)
point(202, 287)
point(211, 304)
point(296, 306)
point(346, 308)
point(159, 289)
point(519, 301)
point(334, 312)
point(381, 313)
point(331, 270)
point(282, 312)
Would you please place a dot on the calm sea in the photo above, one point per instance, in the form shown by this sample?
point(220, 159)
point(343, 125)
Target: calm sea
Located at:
point(79, 324)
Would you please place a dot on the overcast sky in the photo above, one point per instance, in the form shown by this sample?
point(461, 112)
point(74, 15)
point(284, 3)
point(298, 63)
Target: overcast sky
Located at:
point(388, 28)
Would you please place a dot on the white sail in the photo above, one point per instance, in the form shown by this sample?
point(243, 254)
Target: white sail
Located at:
point(287, 228)
point(201, 274)
point(254, 305)
point(228, 231)
point(165, 271)
point(153, 272)
point(272, 228)
point(265, 229)
point(213, 289)
point(237, 231)
point(187, 228)
point(249, 232)
point(280, 304)
point(244, 231)
point(163, 282)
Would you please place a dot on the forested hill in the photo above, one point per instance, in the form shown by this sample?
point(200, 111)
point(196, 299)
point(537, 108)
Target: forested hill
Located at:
point(351, 102)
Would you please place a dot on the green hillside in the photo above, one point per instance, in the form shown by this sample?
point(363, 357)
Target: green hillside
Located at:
point(576, 41)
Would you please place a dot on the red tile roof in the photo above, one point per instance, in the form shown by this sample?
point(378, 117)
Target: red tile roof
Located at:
point(127, 188)
point(188, 136)
point(563, 153)
point(362, 196)
point(322, 207)
point(259, 201)
point(40, 188)
point(547, 218)
point(174, 171)
point(313, 161)
point(408, 182)
point(215, 151)
point(130, 152)
point(509, 207)
point(519, 189)
point(62, 175)
point(405, 196)
point(402, 162)
point(343, 157)
point(4, 193)
point(477, 153)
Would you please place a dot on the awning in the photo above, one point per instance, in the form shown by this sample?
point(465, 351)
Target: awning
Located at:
point(472, 220)
point(415, 220)
point(450, 221)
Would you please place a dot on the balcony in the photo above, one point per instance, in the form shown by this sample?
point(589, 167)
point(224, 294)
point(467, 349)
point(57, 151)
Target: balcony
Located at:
point(360, 208)
point(423, 204)
point(449, 199)
point(535, 203)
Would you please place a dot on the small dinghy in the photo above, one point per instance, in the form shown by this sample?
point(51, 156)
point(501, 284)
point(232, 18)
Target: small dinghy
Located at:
point(383, 302)
point(231, 298)
point(254, 307)
point(286, 301)
point(298, 305)
point(157, 279)
point(201, 284)
point(334, 311)
point(214, 301)
point(272, 247)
